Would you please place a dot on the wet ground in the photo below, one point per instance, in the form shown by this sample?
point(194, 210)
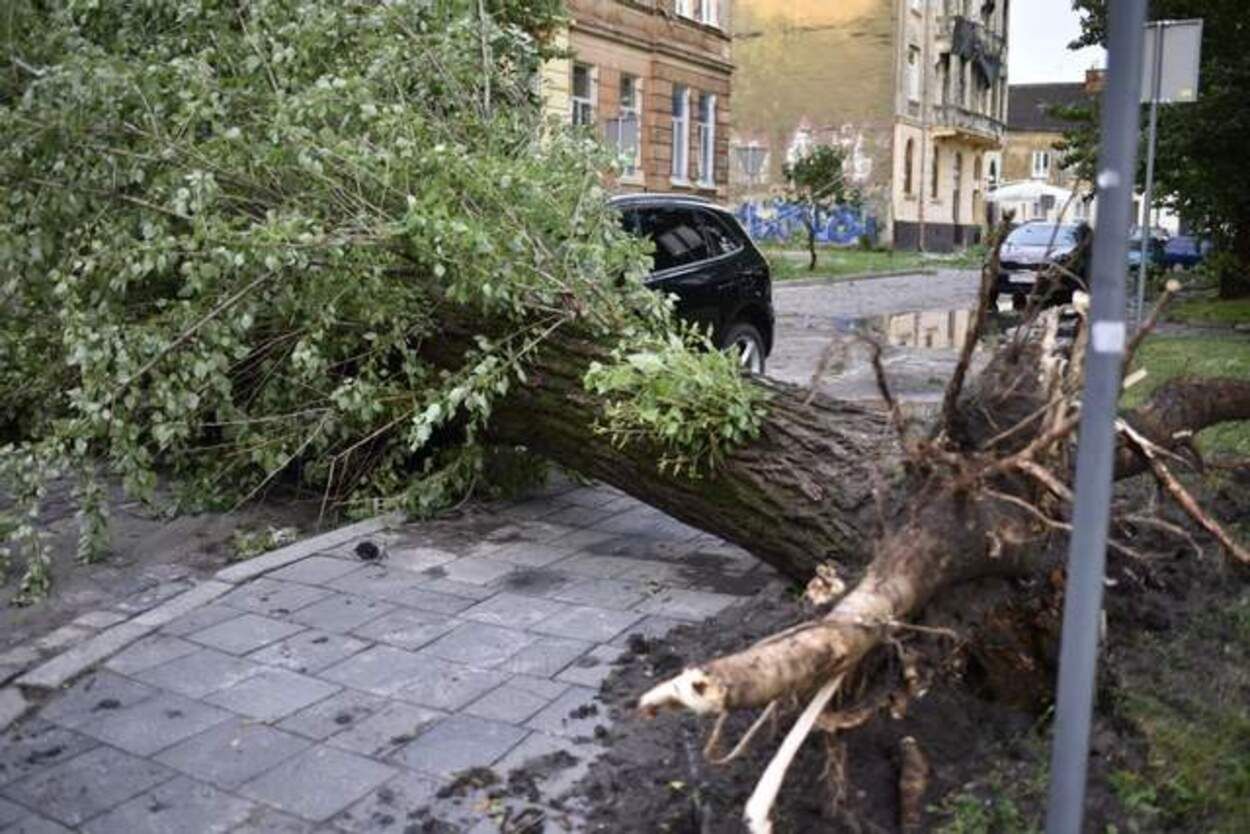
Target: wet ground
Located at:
point(920, 320)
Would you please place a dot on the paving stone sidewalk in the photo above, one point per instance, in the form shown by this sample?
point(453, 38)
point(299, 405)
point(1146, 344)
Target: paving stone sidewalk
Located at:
point(327, 694)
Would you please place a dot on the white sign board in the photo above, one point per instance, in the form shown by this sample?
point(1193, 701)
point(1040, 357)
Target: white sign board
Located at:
point(1182, 53)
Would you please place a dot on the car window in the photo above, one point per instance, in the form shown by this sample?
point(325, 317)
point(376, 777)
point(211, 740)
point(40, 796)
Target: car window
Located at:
point(1182, 246)
point(676, 235)
point(722, 238)
point(1040, 234)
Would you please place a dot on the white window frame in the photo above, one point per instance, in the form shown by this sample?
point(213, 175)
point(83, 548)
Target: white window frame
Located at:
point(684, 8)
point(913, 73)
point(630, 168)
point(582, 108)
point(1041, 165)
point(681, 136)
point(709, 12)
point(707, 141)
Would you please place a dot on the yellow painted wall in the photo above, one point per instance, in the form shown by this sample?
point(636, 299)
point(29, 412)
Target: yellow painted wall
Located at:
point(1018, 156)
point(827, 66)
point(556, 78)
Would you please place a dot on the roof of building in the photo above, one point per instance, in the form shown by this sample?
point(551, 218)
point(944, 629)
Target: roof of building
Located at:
point(1029, 105)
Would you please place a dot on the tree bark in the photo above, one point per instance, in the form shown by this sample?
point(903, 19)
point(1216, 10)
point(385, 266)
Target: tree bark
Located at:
point(799, 495)
point(825, 479)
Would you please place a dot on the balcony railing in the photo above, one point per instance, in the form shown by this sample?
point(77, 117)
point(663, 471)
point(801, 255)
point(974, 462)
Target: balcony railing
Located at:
point(968, 121)
point(994, 43)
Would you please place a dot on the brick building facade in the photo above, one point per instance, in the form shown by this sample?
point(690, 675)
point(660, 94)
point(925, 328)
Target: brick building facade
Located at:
point(652, 78)
point(913, 90)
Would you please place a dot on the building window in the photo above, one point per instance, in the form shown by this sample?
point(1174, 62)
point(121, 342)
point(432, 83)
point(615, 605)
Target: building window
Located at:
point(913, 73)
point(681, 132)
point(685, 8)
point(707, 140)
point(1041, 164)
point(583, 95)
point(709, 12)
point(993, 173)
point(937, 172)
point(624, 131)
point(909, 160)
point(916, 5)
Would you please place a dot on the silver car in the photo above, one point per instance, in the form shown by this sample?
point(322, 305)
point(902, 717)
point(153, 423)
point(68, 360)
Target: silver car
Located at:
point(1032, 246)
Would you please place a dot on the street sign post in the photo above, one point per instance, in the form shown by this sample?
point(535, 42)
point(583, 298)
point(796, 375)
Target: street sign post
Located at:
point(1172, 55)
point(1087, 550)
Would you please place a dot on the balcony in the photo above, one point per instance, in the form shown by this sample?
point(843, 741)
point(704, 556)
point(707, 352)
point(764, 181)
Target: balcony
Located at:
point(954, 121)
point(952, 27)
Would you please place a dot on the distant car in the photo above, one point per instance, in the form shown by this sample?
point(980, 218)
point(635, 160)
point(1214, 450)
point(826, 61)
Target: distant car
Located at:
point(705, 258)
point(1154, 249)
point(1183, 252)
point(1031, 247)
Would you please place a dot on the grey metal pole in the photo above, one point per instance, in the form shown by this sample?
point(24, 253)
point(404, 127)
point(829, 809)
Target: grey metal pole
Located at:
point(1156, 84)
point(1087, 553)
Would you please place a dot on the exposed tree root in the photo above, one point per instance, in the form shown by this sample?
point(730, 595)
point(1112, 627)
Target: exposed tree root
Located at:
point(760, 805)
point(973, 510)
point(913, 781)
point(1182, 496)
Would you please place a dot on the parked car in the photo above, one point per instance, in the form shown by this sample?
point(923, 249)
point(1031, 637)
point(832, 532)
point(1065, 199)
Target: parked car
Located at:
point(1154, 249)
point(705, 258)
point(1184, 252)
point(1032, 246)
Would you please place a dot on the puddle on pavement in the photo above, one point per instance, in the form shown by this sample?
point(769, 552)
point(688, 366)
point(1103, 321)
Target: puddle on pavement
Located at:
point(919, 352)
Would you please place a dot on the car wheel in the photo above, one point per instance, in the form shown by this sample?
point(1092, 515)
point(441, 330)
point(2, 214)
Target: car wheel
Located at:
point(750, 346)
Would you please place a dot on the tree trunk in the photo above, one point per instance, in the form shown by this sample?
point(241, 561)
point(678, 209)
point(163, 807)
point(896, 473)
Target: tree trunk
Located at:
point(825, 478)
point(811, 237)
point(799, 495)
point(1234, 280)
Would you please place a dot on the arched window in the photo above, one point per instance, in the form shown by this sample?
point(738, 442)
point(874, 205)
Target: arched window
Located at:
point(909, 158)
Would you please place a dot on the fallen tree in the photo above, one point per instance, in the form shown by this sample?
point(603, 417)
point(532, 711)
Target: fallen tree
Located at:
point(334, 245)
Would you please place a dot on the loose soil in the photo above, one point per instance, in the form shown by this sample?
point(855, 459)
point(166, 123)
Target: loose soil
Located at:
point(988, 760)
point(152, 556)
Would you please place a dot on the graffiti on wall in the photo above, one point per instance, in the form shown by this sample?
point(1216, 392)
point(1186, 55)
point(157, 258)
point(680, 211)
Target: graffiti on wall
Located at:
point(778, 220)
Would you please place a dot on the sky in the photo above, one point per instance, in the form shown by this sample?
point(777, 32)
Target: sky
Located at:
point(1038, 43)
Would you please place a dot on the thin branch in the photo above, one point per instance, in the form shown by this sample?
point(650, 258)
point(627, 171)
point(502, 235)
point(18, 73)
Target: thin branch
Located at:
point(186, 335)
point(760, 805)
point(1169, 292)
point(746, 738)
point(1045, 477)
point(1182, 496)
point(1166, 526)
point(883, 385)
point(1056, 524)
point(989, 275)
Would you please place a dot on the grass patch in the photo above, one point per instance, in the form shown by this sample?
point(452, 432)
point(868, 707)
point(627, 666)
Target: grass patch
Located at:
point(972, 812)
point(1165, 357)
point(1212, 311)
point(790, 263)
point(248, 544)
point(1191, 708)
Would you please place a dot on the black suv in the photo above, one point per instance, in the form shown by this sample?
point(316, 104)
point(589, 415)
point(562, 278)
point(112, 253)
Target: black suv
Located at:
point(703, 256)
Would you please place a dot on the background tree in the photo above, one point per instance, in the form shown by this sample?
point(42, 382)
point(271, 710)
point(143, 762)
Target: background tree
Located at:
point(815, 180)
point(1201, 169)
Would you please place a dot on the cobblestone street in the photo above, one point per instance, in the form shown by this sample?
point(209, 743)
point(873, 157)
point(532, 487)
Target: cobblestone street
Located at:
point(329, 694)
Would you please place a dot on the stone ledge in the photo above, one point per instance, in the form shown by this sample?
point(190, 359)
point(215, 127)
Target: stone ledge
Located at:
point(184, 603)
point(66, 666)
point(13, 706)
point(284, 556)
